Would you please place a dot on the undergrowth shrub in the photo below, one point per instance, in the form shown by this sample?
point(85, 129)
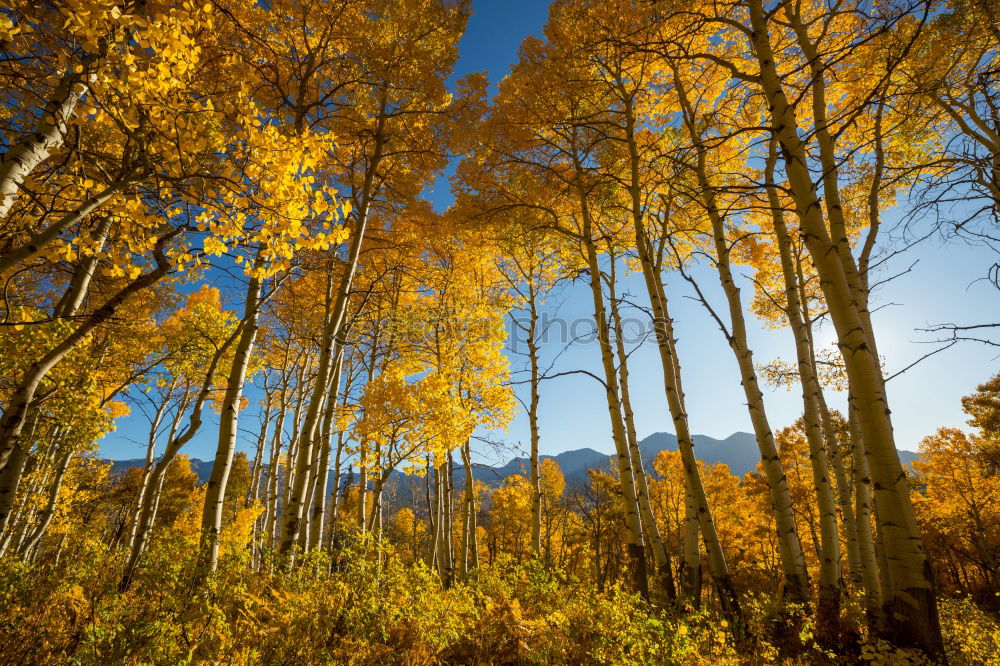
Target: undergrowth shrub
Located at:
point(370, 608)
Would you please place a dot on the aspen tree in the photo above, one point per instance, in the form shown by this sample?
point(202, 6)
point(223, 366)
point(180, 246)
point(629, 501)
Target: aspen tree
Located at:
point(567, 142)
point(664, 574)
point(323, 464)
point(211, 523)
point(150, 500)
point(167, 113)
point(399, 103)
point(793, 564)
point(912, 607)
point(530, 267)
point(635, 546)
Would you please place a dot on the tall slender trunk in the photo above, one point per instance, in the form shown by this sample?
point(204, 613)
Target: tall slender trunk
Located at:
point(302, 389)
point(691, 561)
point(796, 585)
point(535, 477)
point(912, 607)
point(378, 483)
point(377, 523)
point(45, 519)
point(672, 385)
point(440, 547)
point(335, 495)
point(215, 493)
point(302, 540)
point(661, 559)
point(273, 473)
point(10, 478)
point(323, 466)
point(254, 493)
point(837, 456)
point(363, 490)
point(634, 545)
point(151, 500)
point(828, 549)
point(468, 511)
point(257, 473)
point(21, 397)
point(43, 458)
point(473, 531)
point(447, 521)
point(147, 468)
point(296, 506)
point(873, 585)
point(830, 576)
point(433, 495)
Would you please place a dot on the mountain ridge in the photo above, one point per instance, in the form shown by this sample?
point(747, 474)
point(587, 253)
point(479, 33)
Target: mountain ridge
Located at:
point(738, 451)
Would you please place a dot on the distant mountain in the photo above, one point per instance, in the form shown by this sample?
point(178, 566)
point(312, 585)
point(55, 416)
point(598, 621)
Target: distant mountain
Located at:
point(203, 468)
point(738, 451)
point(574, 466)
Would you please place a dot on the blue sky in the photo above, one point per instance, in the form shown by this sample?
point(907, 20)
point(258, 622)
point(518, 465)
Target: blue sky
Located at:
point(944, 285)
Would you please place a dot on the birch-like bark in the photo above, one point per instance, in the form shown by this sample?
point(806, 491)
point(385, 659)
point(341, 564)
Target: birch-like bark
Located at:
point(844, 500)
point(873, 585)
point(433, 493)
point(535, 477)
point(17, 163)
point(151, 500)
point(335, 494)
point(257, 475)
point(468, 512)
point(830, 575)
point(215, 493)
point(838, 230)
point(79, 285)
point(273, 472)
point(10, 478)
point(17, 519)
point(447, 521)
point(661, 559)
point(28, 548)
point(796, 585)
point(663, 328)
point(473, 532)
point(323, 464)
point(634, 544)
point(21, 396)
point(690, 573)
point(302, 541)
point(301, 390)
point(254, 493)
point(41, 240)
point(363, 489)
point(147, 468)
point(828, 610)
point(439, 547)
point(912, 607)
point(295, 508)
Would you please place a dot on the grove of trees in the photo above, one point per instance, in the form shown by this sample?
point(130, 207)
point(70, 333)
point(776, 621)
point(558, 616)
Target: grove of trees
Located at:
point(215, 212)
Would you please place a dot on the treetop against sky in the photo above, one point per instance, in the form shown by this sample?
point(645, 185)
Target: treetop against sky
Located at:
point(938, 281)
